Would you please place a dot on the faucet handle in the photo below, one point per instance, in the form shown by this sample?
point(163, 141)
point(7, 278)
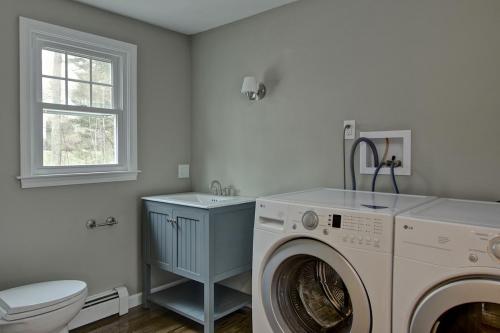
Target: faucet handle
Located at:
point(228, 191)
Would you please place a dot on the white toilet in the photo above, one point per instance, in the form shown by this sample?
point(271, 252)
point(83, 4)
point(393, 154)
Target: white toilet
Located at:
point(45, 307)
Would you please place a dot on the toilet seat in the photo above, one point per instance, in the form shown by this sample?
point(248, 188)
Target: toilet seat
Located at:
point(39, 298)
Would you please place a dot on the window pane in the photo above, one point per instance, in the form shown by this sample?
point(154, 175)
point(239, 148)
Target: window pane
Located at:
point(53, 91)
point(72, 139)
point(53, 63)
point(102, 96)
point(78, 68)
point(101, 71)
point(78, 93)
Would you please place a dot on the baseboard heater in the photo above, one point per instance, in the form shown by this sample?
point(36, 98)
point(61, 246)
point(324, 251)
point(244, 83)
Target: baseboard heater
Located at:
point(102, 305)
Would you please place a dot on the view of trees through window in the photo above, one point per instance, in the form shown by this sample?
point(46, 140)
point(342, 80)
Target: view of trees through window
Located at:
point(78, 139)
point(70, 137)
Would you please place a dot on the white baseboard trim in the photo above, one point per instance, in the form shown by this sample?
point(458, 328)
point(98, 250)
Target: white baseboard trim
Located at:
point(114, 306)
point(102, 305)
point(136, 299)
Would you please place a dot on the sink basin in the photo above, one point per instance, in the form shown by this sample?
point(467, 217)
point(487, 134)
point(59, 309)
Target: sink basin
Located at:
point(200, 200)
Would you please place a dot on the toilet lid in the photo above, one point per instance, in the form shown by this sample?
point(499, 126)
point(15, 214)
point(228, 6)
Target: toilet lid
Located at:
point(39, 295)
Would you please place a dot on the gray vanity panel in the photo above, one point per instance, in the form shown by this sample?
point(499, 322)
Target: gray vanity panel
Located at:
point(233, 240)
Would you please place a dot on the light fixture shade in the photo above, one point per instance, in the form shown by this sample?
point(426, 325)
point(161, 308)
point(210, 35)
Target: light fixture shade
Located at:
point(250, 84)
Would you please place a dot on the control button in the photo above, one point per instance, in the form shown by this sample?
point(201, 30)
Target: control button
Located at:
point(473, 257)
point(325, 231)
point(294, 227)
point(495, 247)
point(310, 220)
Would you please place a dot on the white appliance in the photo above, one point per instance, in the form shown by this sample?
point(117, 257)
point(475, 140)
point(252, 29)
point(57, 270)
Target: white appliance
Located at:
point(447, 268)
point(45, 307)
point(322, 261)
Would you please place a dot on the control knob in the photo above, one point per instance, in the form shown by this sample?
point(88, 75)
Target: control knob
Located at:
point(310, 220)
point(495, 247)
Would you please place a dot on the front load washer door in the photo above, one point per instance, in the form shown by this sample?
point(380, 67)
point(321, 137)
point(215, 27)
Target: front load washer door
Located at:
point(308, 287)
point(463, 306)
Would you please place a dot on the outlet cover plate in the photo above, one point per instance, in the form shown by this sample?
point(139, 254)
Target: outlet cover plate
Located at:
point(399, 146)
point(350, 133)
point(183, 171)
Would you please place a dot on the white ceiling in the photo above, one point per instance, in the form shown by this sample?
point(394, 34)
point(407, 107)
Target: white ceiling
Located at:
point(187, 16)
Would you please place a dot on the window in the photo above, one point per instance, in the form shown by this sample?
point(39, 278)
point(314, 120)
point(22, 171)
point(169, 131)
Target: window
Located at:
point(78, 107)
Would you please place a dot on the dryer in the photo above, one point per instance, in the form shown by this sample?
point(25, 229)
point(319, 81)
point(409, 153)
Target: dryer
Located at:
point(322, 261)
point(447, 268)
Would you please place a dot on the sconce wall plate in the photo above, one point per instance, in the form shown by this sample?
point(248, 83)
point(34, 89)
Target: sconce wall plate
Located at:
point(253, 90)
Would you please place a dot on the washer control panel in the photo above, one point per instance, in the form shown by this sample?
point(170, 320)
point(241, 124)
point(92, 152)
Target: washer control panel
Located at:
point(447, 244)
point(345, 227)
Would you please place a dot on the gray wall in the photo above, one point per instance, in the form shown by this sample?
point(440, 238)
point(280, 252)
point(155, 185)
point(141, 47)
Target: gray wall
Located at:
point(42, 232)
point(429, 66)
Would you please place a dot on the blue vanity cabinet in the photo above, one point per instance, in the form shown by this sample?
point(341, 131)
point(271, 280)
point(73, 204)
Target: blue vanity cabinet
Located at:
point(190, 228)
point(158, 249)
point(204, 246)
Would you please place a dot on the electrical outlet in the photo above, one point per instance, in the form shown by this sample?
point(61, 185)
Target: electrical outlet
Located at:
point(350, 133)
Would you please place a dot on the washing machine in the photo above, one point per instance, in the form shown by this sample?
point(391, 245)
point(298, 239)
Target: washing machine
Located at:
point(447, 268)
point(322, 261)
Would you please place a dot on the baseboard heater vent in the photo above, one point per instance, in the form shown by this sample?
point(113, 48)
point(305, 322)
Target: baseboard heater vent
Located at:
point(105, 304)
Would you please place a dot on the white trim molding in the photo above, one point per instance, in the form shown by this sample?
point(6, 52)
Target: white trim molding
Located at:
point(35, 35)
point(112, 302)
point(102, 305)
point(77, 178)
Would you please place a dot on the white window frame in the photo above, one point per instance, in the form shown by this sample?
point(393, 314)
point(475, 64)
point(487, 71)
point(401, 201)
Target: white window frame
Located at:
point(35, 35)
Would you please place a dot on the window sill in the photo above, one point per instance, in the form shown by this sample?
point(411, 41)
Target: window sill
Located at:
point(80, 178)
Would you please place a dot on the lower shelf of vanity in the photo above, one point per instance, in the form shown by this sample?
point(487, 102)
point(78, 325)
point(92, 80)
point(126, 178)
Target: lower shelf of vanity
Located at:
point(186, 299)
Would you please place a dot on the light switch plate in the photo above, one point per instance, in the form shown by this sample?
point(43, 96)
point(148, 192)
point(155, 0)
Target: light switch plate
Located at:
point(183, 171)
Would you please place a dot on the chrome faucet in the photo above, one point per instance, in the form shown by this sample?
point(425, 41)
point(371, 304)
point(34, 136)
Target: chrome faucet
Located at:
point(216, 187)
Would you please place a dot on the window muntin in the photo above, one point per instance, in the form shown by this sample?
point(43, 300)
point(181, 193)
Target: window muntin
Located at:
point(80, 80)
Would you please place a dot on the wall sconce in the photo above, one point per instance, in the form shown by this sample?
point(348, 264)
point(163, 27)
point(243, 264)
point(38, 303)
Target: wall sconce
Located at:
point(254, 90)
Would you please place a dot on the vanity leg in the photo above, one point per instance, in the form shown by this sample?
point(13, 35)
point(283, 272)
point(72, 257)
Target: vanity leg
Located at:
point(209, 307)
point(146, 285)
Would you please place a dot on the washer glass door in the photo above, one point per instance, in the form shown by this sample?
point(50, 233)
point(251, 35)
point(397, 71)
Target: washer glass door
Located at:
point(308, 287)
point(477, 317)
point(463, 306)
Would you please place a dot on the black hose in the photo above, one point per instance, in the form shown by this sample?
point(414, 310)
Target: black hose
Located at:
point(343, 153)
point(374, 179)
point(395, 185)
point(353, 152)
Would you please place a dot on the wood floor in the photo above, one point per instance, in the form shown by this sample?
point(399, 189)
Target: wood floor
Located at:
point(158, 320)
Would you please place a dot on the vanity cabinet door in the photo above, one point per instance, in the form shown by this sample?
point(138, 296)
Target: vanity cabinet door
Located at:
point(160, 234)
point(191, 252)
